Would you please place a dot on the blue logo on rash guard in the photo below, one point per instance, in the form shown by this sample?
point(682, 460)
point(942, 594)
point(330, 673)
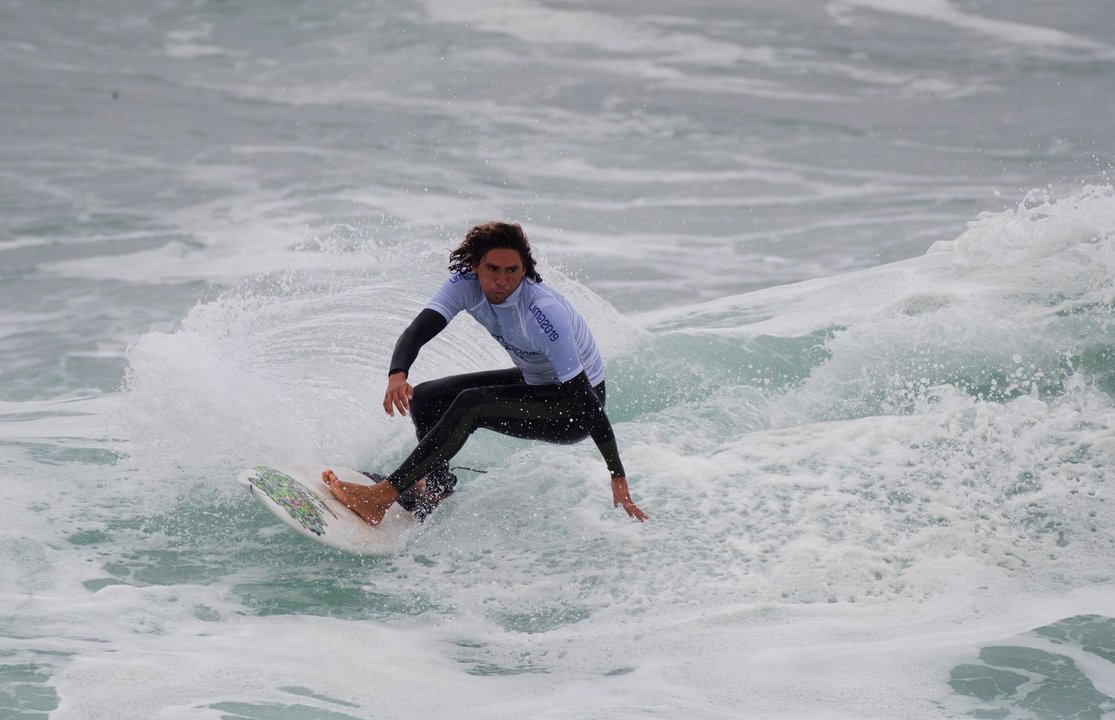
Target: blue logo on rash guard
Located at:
point(544, 322)
point(524, 354)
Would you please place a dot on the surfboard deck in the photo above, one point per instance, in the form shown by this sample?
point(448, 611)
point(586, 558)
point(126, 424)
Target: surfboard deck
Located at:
point(297, 495)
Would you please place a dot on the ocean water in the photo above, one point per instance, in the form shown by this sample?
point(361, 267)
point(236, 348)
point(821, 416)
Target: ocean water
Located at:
point(851, 263)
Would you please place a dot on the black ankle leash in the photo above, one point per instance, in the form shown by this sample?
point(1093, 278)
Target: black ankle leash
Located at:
point(462, 467)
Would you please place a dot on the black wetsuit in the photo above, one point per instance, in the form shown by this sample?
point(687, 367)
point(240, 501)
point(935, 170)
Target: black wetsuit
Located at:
point(448, 410)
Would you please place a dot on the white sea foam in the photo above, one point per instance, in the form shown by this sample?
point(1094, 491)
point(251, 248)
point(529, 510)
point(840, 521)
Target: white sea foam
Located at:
point(1022, 34)
point(781, 518)
point(857, 484)
point(1045, 247)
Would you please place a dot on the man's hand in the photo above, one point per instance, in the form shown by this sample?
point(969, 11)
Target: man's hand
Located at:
point(621, 496)
point(398, 395)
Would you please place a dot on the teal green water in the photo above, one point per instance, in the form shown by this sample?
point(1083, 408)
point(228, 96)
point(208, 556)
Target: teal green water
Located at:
point(859, 368)
point(1012, 680)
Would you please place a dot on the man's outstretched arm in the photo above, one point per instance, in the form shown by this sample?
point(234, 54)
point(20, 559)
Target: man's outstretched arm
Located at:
point(421, 330)
point(579, 392)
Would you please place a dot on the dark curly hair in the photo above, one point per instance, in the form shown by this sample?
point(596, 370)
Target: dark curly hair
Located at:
point(489, 236)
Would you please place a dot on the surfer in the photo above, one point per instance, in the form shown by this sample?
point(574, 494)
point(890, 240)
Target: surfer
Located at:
point(554, 393)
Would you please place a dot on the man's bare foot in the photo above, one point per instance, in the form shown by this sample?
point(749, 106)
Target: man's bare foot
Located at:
point(370, 502)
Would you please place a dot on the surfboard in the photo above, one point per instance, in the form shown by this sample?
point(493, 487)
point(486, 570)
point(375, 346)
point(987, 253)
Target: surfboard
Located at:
point(297, 495)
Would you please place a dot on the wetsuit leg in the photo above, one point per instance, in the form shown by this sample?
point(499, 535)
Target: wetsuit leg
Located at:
point(432, 399)
point(534, 412)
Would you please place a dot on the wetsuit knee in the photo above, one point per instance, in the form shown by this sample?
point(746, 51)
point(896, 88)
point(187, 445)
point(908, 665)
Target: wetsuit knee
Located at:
point(470, 398)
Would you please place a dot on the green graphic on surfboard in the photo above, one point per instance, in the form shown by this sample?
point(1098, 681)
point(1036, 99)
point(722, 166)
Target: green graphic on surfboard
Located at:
point(297, 496)
point(292, 496)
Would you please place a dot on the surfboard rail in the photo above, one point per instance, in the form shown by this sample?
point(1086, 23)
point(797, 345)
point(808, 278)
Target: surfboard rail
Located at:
point(297, 496)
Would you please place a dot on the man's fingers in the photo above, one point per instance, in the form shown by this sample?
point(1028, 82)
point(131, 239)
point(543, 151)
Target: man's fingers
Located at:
point(635, 512)
point(622, 496)
point(398, 399)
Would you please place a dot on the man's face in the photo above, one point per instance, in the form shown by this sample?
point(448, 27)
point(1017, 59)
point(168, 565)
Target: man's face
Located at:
point(500, 272)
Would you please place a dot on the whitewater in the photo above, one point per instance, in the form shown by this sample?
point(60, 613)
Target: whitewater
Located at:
point(851, 266)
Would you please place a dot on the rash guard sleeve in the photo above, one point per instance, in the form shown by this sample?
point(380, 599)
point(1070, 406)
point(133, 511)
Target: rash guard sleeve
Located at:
point(579, 393)
point(420, 331)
